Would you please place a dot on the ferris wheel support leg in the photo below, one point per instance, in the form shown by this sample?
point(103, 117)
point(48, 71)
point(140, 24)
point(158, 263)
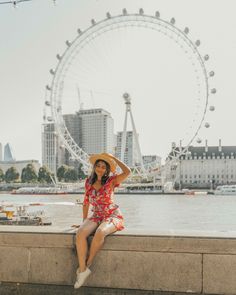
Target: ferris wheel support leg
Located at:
point(123, 140)
point(137, 141)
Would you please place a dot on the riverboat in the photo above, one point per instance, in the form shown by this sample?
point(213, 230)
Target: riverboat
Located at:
point(39, 191)
point(18, 215)
point(195, 193)
point(225, 190)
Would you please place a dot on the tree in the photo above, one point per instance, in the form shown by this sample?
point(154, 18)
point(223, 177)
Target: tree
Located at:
point(61, 172)
point(1, 175)
point(12, 175)
point(81, 174)
point(44, 175)
point(29, 174)
point(71, 174)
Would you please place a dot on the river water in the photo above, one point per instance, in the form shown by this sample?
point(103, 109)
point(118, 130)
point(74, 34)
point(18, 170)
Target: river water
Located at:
point(145, 213)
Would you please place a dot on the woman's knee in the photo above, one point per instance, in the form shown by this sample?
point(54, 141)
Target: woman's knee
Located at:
point(82, 234)
point(100, 233)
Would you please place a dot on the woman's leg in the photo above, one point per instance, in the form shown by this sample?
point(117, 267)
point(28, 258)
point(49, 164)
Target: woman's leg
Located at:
point(83, 232)
point(102, 231)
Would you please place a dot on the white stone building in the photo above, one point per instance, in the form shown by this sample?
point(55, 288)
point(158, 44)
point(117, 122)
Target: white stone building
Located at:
point(206, 166)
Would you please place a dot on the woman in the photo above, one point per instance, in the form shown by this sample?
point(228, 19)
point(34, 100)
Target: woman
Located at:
point(106, 217)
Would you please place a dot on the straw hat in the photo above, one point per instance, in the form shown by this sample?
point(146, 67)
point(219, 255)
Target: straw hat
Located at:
point(105, 157)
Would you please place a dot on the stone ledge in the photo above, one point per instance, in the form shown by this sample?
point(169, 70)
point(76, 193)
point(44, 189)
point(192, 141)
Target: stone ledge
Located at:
point(44, 240)
point(129, 242)
point(155, 263)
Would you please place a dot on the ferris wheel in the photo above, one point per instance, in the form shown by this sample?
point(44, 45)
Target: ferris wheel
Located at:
point(74, 57)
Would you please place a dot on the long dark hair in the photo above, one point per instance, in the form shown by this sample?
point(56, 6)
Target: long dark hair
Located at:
point(93, 177)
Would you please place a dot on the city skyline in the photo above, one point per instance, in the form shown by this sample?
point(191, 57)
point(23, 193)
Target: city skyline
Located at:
point(27, 54)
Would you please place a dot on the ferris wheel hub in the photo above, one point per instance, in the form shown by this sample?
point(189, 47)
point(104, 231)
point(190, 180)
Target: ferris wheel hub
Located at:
point(127, 97)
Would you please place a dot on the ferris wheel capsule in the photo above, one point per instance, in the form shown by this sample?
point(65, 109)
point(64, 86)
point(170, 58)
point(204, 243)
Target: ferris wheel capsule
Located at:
point(68, 43)
point(108, 15)
point(198, 43)
point(58, 56)
point(124, 11)
point(47, 103)
point(172, 21)
point(199, 140)
point(50, 119)
point(207, 125)
point(79, 31)
point(212, 73)
point(213, 90)
point(206, 57)
point(211, 108)
point(157, 14)
point(93, 22)
point(52, 72)
point(48, 87)
point(186, 30)
point(141, 11)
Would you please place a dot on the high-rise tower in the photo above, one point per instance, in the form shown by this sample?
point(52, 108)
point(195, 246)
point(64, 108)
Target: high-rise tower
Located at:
point(8, 153)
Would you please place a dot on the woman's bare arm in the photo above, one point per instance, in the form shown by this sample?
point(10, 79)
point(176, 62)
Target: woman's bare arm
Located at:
point(125, 170)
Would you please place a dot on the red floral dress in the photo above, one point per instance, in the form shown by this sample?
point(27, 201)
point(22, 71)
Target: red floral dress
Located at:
point(103, 206)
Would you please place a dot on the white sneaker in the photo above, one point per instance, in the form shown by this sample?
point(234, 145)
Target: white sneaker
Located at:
point(81, 277)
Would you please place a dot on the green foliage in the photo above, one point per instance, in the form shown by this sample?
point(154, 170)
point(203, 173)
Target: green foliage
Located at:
point(67, 174)
point(2, 176)
point(44, 175)
point(61, 172)
point(29, 174)
point(12, 175)
point(81, 174)
point(71, 174)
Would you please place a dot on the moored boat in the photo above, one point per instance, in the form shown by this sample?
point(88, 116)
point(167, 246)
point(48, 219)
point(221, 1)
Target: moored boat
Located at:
point(194, 193)
point(19, 215)
point(39, 191)
point(225, 190)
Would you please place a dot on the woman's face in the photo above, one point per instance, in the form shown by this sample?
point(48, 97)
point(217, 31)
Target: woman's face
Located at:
point(100, 168)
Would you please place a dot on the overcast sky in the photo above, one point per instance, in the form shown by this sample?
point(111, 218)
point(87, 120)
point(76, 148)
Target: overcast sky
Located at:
point(34, 32)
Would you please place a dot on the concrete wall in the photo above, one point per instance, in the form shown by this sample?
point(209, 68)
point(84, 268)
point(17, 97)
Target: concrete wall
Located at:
point(160, 263)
